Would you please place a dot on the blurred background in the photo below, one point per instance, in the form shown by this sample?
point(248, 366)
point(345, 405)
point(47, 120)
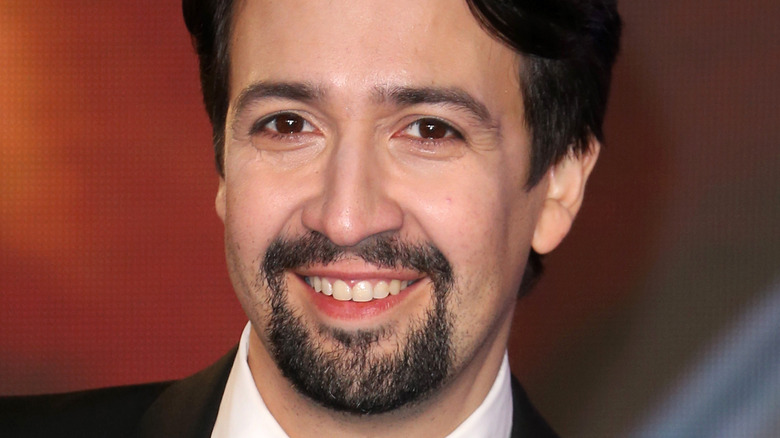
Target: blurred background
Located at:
point(658, 316)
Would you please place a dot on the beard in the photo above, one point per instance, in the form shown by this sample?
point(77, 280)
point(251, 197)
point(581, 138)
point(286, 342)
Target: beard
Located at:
point(355, 375)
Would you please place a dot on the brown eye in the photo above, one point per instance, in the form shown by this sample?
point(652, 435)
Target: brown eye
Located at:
point(286, 124)
point(433, 129)
point(289, 123)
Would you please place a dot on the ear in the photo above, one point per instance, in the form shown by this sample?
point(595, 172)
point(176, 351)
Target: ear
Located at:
point(219, 202)
point(565, 190)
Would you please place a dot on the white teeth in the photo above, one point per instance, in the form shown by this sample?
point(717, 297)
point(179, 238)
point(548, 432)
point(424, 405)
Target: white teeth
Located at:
point(381, 290)
point(341, 291)
point(361, 292)
point(395, 287)
point(327, 288)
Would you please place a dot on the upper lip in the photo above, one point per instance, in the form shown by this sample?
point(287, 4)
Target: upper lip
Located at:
point(358, 270)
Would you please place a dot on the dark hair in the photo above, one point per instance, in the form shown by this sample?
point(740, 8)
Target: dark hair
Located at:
point(208, 22)
point(568, 48)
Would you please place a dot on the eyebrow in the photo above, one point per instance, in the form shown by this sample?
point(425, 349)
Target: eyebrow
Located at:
point(279, 90)
point(455, 97)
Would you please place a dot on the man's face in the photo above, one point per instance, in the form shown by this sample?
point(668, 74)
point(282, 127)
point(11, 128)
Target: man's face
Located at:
point(376, 149)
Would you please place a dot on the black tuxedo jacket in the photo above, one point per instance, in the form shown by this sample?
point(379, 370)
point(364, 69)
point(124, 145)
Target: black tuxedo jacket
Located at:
point(185, 408)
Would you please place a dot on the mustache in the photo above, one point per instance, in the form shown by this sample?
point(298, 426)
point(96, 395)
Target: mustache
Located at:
point(385, 250)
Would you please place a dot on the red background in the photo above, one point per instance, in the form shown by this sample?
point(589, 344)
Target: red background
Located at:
point(111, 260)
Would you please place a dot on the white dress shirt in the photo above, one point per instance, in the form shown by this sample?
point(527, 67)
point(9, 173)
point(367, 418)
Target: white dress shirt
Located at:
point(243, 414)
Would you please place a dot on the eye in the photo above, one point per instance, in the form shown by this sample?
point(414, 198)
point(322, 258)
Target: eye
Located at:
point(284, 124)
point(430, 128)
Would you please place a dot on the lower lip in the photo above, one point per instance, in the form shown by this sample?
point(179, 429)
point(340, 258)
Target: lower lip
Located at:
point(351, 310)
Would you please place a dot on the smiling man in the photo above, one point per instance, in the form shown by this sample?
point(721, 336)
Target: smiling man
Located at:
point(380, 202)
point(389, 174)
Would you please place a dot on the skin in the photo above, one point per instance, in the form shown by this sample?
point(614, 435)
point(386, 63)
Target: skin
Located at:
point(358, 167)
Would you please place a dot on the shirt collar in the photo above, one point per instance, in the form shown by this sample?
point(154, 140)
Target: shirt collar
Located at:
point(242, 412)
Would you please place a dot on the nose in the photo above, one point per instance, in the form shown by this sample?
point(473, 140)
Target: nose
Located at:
point(353, 202)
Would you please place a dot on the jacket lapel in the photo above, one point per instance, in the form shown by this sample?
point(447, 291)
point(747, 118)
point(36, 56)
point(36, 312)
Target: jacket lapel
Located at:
point(526, 421)
point(188, 408)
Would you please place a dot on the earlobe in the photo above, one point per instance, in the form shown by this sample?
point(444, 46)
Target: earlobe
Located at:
point(219, 202)
point(565, 191)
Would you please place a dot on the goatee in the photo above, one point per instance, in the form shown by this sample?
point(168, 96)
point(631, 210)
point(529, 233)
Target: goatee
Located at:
point(355, 375)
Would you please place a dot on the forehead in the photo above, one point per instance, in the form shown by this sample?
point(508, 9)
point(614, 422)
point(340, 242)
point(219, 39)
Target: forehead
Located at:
point(365, 44)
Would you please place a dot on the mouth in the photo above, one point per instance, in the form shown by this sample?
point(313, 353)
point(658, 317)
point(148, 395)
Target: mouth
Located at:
point(359, 291)
point(354, 295)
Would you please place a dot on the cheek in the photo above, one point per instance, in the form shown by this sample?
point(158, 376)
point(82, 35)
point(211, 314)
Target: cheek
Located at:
point(246, 222)
point(259, 207)
point(484, 228)
point(485, 234)
point(255, 214)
